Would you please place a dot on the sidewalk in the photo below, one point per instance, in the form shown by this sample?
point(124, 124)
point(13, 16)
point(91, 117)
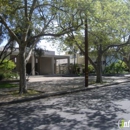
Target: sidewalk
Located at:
point(54, 86)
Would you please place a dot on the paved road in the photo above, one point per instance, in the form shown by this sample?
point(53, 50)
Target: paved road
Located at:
point(99, 109)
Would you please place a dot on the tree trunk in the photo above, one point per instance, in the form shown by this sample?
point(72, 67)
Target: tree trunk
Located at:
point(99, 66)
point(22, 66)
point(99, 75)
point(127, 63)
point(39, 62)
point(74, 66)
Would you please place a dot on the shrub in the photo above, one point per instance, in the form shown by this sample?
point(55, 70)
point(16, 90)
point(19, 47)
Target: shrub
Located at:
point(73, 68)
point(6, 68)
point(116, 67)
point(7, 65)
point(90, 69)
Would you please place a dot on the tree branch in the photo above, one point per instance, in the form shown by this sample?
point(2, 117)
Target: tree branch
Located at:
point(32, 9)
point(64, 31)
point(30, 49)
point(8, 28)
point(90, 60)
point(117, 45)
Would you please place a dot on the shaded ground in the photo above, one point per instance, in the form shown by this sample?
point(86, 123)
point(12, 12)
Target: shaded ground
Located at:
point(45, 85)
point(98, 109)
point(56, 84)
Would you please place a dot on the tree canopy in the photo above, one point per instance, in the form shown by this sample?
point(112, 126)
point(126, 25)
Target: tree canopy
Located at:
point(108, 25)
point(29, 21)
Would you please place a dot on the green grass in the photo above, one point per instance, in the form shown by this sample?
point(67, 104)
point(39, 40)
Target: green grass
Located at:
point(29, 93)
point(8, 85)
point(94, 82)
point(16, 92)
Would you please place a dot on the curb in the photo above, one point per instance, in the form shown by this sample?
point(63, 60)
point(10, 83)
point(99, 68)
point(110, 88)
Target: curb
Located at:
point(27, 99)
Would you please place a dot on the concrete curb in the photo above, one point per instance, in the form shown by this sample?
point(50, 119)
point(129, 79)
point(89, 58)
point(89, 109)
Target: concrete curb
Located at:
point(57, 93)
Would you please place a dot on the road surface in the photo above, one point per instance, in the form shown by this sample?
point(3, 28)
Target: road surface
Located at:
point(98, 109)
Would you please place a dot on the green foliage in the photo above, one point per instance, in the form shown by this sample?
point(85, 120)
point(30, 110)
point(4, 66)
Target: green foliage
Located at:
point(73, 68)
point(116, 67)
point(8, 85)
point(6, 68)
point(7, 65)
point(39, 51)
point(90, 69)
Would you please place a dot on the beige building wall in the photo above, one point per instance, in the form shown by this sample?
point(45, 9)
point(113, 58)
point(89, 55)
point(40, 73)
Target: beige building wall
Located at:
point(80, 59)
point(46, 65)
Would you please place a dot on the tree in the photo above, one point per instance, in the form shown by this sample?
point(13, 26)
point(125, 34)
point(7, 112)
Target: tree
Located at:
point(9, 47)
point(124, 52)
point(107, 25)
point(29, 21)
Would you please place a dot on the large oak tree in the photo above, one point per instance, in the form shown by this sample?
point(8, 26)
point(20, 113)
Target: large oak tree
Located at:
point(108, 24)
point(29, 21)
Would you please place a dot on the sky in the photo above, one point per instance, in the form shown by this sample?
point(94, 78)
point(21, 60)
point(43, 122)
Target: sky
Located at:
point(45, 45)
point(49, 46)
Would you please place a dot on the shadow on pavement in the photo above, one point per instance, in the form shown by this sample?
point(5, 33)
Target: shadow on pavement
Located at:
point(91, 110)
point(56, 85)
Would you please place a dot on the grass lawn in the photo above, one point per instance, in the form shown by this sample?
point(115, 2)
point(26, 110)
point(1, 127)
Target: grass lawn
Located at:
point(16, 92)
point(8, 85)
point(30, 92)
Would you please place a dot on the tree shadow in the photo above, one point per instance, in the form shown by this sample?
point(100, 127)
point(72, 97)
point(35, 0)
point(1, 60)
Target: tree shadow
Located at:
point(57, 85)
point(91, 110)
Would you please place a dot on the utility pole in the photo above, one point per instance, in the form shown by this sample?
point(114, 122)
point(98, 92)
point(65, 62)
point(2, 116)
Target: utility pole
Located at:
point(86, 53)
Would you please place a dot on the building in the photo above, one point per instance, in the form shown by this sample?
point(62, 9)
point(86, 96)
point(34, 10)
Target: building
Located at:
point(77, 59)
point(44, 65)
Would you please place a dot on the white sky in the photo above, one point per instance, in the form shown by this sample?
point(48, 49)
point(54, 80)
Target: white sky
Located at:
point(45, 45)
point(48, 46)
